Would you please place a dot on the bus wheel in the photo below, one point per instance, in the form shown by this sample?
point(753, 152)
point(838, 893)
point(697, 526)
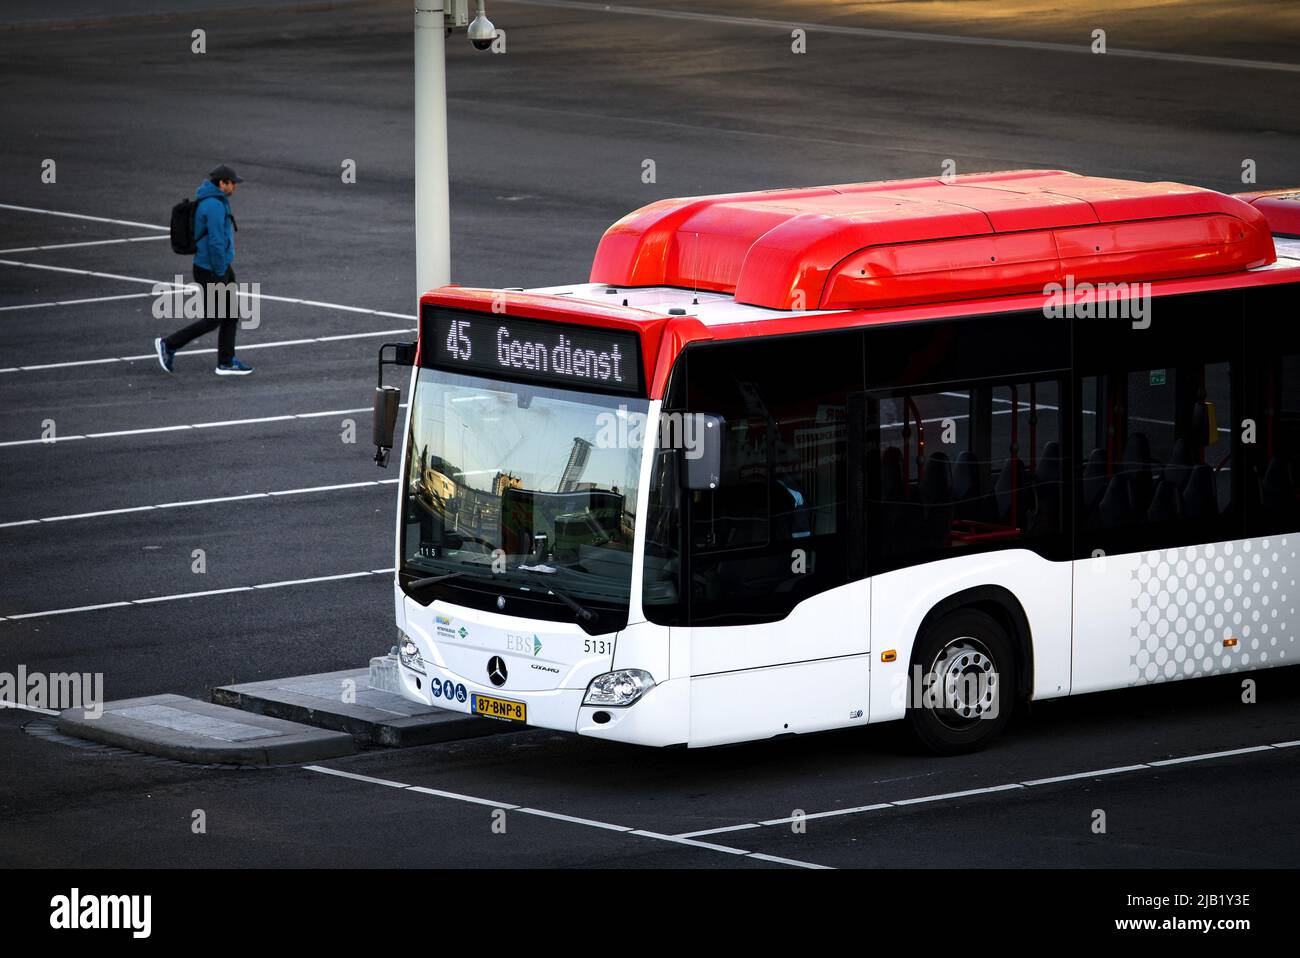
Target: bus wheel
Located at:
point(967, 686)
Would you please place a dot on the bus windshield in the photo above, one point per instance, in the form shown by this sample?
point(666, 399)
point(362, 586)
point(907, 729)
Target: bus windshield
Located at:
point(523, 491)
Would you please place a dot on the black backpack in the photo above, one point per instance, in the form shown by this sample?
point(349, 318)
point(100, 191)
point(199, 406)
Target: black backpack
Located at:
point(182, 230)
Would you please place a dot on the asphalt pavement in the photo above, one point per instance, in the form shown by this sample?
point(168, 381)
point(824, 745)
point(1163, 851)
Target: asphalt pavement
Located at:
point(147, 471)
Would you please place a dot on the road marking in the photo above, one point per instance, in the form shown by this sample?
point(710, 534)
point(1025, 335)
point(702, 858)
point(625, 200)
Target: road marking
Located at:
point(576, 821)
point(194, 595)
point(921, 37)
point(719, 831)
point(284, 583)
point(1077, 775)
point(950, 795)
point(172, 286)
point(107, 242)
point(571, 819)
point(1010, 786)
point(355, 777)
point(187, 595)
point(1206, 756)
point(74, 302)
point(82, 216)
point(788, 861)
point(455, 796)
point(208, 351)
point(678, 840)
point(117, 433)
point(78, 608)
point(27, 708)
point(834, 812)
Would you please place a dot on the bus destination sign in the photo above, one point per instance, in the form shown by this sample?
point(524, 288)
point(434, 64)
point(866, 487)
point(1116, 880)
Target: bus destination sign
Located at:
point(513, 348)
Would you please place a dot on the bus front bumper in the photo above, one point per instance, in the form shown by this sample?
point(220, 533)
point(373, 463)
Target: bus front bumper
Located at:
point(657, 718)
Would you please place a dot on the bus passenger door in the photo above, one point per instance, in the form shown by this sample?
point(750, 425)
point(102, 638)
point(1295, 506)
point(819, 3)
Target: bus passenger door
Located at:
point(779, 606)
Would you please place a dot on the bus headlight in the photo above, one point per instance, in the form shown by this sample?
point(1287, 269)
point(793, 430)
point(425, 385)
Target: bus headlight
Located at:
point(618, 688)
point(409, 653)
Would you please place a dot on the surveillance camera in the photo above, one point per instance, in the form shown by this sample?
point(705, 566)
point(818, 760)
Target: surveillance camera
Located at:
point(482, 33)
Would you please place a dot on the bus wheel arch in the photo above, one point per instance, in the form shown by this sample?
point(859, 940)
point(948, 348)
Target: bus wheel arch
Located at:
point(1002, 606)
point(962, 654)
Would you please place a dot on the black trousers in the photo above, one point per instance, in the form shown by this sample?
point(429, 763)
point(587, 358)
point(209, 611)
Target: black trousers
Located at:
point(220, 309)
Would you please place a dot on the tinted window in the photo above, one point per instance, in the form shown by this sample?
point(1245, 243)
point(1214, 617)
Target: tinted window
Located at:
point(776, 530)
point(1159, 463)
point(961, 467)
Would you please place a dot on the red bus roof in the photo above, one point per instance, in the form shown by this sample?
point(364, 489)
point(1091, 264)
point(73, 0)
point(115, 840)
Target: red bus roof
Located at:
point(900, 242)
point(1280, 207)
point(734, 266)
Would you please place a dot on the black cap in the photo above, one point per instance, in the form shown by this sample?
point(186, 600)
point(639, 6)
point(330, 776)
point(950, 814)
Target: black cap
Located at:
point(224, 173)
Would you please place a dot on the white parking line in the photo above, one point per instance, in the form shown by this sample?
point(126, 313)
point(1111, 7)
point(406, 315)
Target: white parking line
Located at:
point(1207, 756)
point(951, 795)
point(571, 819)
point(576, 821)
point(849, 31)
point(193, 595)
point(107, 242)
point(1077, 775)
point(74, 302)
point(82, 216)
point(140, 357)
point(171, 285)
point(1010, 786)
point(27, 708)
point(180, 428)
point(719, 831)
point(305, 490)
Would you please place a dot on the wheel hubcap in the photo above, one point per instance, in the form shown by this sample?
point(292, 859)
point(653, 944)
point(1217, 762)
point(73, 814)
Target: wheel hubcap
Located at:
point(965, 688)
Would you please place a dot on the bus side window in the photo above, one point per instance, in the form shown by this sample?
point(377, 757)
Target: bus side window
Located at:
point(1278, 475)
point(966, 466)
point(773, 532)
point(735, 515)
point(1156, 453)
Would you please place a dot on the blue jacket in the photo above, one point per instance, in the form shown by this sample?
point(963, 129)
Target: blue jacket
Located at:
point(214, 232)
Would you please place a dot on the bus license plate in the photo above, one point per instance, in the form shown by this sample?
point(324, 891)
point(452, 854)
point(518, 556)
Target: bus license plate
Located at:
point(499, 708)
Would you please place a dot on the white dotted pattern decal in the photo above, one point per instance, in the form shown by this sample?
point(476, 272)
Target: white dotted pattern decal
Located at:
point(1186, 602)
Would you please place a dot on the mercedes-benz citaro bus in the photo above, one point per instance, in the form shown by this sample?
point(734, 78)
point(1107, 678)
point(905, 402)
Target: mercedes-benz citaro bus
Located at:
point(807, 459)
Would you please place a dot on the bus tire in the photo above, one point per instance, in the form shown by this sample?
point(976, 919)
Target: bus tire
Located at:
point(967, 688)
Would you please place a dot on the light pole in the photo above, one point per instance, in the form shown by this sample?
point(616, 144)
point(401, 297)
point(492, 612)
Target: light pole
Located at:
point(433, 20)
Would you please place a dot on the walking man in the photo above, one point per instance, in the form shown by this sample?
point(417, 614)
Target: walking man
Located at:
point(214, 237)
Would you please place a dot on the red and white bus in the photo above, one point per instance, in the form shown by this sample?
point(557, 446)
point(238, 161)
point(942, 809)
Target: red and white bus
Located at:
point(806, 459)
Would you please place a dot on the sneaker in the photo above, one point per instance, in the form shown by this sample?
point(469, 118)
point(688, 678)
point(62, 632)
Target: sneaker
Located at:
point(165, 356)
point(235, 368)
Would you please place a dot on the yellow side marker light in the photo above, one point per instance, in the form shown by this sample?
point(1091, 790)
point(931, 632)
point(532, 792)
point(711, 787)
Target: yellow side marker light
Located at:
point(1230, 643)
point(889, 656)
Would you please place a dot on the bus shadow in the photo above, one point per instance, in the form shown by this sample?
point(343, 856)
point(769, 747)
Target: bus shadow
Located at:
point(1152, 722)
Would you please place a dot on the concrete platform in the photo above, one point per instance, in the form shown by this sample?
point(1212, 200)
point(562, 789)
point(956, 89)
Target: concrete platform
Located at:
point(204, 733)
point(346, 702)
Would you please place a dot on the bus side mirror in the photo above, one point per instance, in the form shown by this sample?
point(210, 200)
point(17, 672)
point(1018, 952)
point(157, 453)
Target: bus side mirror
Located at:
point(388, 398)
point(702, 455)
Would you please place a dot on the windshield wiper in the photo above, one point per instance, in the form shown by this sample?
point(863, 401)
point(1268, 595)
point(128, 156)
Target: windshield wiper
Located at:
point(431, 579)
point(581, 611)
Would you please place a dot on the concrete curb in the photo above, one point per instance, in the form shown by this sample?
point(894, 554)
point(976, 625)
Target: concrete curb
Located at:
point(374, 716)
point(188, 730)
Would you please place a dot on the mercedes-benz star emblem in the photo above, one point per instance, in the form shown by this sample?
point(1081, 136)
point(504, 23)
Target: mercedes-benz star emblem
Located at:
point(497, 670)
point(501, 602)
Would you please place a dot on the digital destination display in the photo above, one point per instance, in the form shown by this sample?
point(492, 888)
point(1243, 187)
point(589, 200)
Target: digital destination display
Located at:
point(513, 348)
